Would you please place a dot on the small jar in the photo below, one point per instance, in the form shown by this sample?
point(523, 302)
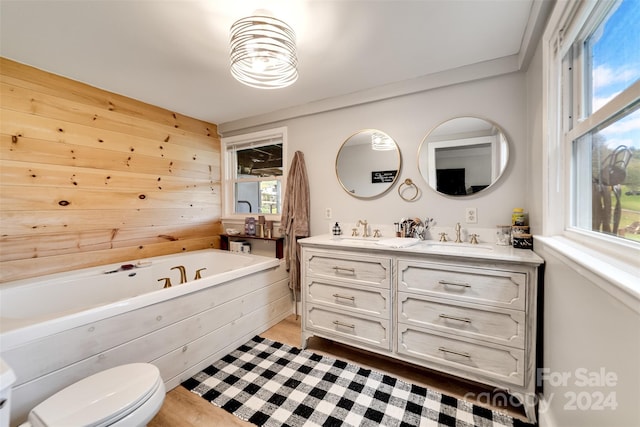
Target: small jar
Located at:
point(517, 230)
point(503, 235)
point(518, 217)
point(523, 241)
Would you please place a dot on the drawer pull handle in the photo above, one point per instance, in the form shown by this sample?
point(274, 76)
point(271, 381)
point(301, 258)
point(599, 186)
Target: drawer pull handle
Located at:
point(459, 319)
point(448, 283)
point(344, 325)
point(352, 299)
point(459, 353)
point(348, 270)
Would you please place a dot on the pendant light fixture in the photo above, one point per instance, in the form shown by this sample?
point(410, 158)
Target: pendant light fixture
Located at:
point(381, 142)
point(263, 52)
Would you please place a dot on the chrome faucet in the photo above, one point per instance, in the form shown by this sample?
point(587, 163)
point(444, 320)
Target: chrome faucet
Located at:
point(365, 232)
point(183, 273)
point(458, 228)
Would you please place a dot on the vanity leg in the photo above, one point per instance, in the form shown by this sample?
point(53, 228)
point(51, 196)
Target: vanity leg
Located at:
point(529, 401)
point(530, 408)
point(305, 339)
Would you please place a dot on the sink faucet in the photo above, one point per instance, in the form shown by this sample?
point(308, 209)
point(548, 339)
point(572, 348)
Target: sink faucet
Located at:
point(458, 228)
point(365, 232)
point(183, 273)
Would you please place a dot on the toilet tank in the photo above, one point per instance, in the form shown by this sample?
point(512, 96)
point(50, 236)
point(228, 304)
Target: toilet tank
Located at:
point(7, 378)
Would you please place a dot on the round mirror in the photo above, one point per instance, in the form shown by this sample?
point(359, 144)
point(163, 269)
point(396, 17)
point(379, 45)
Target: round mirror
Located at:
point(463, 156)
point(368, 163)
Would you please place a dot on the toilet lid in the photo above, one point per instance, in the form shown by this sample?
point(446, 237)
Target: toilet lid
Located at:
point(100, 399)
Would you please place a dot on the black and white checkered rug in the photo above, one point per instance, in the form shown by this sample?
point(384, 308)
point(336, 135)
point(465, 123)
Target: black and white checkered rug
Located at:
point(272, 384)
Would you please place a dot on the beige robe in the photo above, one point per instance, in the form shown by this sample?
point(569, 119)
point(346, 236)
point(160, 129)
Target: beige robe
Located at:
point(295, 218)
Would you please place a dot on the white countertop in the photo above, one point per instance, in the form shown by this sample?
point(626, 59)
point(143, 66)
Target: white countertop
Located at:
point(482, 251)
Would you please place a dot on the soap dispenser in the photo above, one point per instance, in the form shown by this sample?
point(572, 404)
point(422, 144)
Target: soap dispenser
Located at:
point(336, 231)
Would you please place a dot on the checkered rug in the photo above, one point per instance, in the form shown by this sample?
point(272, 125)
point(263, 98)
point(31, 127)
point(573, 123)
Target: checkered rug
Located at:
point(272, 384)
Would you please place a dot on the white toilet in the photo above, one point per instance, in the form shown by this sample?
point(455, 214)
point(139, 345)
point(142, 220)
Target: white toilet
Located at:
point(127, 395)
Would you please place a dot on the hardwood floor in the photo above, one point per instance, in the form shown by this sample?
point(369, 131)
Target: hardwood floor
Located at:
point(183, 408)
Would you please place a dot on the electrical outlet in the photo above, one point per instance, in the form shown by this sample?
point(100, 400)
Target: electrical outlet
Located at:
point(471, 215)
point(327, 213)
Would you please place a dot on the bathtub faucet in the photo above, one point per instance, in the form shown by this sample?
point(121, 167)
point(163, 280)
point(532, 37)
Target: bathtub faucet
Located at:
point(183, 273)
point(167, 282)
point(198, 276)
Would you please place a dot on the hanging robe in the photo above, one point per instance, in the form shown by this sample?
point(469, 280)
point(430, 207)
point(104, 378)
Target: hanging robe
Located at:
point(295, 218)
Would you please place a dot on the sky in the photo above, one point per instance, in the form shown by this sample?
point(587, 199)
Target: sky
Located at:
point(616, 66)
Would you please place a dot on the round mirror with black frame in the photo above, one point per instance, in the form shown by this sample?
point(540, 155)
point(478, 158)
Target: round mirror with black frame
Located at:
point(368, 164)
point(463, 156)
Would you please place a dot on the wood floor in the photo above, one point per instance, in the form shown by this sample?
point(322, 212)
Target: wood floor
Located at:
point(183, 408)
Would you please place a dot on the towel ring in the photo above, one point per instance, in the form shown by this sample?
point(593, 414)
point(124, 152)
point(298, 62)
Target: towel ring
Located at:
point(409, 185)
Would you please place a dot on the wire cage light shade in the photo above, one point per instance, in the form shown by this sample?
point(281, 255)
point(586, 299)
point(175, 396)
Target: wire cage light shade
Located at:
point(263, 52)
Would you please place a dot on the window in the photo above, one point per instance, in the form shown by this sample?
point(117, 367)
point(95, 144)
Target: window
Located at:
point(597, 63)
point(253, 173)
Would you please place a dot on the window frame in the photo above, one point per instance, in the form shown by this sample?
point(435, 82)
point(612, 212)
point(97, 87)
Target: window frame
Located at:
point(228, 170)
point(564, 99)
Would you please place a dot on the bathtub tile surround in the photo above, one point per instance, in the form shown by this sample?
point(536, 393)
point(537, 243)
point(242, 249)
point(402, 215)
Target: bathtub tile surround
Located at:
point(268, 383)
point(128, 319)
point(91, 178)
point(465, 310)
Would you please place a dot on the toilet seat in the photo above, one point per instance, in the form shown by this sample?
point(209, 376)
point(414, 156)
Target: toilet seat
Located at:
point(101, 399)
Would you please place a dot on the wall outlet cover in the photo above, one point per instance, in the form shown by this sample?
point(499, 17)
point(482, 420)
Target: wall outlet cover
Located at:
point(471, 215)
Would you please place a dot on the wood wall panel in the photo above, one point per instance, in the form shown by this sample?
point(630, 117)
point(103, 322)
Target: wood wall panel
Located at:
point(88, 177)
point(51, 84)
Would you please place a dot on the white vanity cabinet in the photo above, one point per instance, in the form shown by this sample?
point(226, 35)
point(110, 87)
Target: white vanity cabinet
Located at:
point(471, 314)
point(347, 297)
point(469, 319)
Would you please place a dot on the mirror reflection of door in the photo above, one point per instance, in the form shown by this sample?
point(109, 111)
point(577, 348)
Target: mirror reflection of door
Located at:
point(463, 156)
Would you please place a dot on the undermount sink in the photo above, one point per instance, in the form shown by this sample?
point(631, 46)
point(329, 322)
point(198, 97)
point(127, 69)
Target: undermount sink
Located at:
point(452, 246)
point(354, 240)
point(362, 239)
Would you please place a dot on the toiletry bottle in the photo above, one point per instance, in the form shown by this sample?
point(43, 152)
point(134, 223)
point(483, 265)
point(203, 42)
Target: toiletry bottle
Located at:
point(336, 231)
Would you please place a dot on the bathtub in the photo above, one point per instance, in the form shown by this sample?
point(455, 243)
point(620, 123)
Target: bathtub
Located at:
point(57, 329)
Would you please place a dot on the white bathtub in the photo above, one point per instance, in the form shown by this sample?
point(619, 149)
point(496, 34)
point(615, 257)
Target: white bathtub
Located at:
point(57, 329)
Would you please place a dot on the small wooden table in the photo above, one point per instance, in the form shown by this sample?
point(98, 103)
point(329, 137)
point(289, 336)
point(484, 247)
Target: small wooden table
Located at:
point(224, 242)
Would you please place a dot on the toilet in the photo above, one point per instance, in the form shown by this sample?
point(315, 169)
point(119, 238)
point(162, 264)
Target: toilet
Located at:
point(127, 395)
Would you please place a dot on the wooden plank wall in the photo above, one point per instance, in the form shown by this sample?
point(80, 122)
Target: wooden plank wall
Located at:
point(88, 177)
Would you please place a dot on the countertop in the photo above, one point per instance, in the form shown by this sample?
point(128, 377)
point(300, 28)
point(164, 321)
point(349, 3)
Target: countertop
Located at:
point(402, 246)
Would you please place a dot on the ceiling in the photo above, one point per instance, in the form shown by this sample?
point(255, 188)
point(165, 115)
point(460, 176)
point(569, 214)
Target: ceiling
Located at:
point(174, 53)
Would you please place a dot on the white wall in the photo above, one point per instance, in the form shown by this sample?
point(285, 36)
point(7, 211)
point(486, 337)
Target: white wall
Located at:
point(408, 119)
point(585, 330)
point(587, 334)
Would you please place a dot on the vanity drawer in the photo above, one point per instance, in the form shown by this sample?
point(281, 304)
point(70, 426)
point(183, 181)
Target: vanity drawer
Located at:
point(361, 299)
point(497, 362)
point(492, 324)
point(359, 269)
point(499, 288)
point(371, 331)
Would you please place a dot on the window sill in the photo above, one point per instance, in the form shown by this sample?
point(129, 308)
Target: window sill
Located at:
point(239, 218)
point(618, 278)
